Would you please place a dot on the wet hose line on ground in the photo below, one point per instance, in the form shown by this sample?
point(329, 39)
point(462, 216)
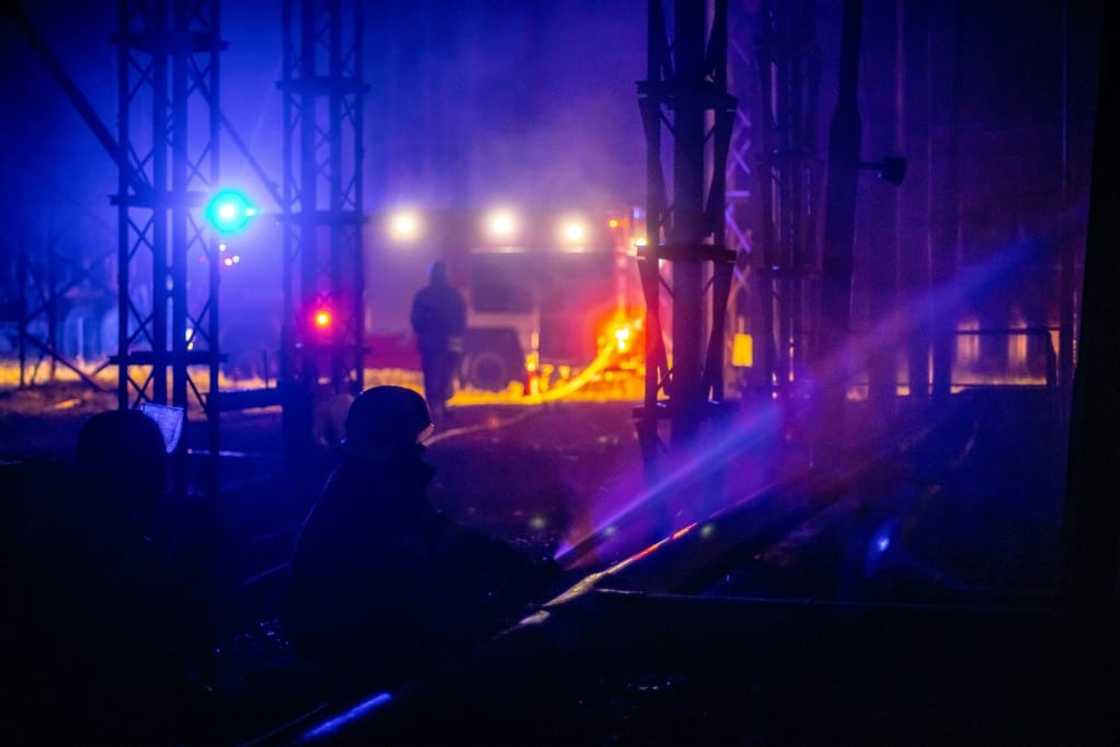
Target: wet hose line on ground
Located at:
point(593, 369)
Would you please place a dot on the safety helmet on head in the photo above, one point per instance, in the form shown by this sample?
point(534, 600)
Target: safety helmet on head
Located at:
point(122, 452)
point(387, 416)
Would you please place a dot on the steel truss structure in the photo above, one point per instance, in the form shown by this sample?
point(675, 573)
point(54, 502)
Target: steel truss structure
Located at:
point(741, 206)
point(323, 98)
point(685, 94)
point(168, 120)
point(47, 281)
point(787, 63)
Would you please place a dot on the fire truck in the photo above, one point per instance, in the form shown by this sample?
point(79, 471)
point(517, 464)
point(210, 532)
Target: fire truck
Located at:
point(543, 287)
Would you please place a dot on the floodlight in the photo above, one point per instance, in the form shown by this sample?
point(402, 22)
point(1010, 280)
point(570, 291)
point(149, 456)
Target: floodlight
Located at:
point(404, 225)
point(501, 224)
point(573, 231)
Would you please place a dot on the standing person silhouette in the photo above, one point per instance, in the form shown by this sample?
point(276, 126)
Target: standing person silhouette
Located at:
point(439, 319)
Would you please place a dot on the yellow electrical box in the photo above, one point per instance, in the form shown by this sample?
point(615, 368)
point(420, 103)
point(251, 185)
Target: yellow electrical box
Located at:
point(742, 351)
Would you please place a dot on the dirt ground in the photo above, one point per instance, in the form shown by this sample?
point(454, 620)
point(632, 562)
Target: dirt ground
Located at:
point(546, 476)
point(45, 420)
point(529, 474)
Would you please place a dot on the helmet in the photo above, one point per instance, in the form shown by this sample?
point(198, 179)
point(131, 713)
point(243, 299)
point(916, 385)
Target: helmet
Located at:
point(387, 416)
point(123, 452)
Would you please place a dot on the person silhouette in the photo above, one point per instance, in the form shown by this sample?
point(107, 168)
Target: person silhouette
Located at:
point(104, 628)
point(439, 320)
point(380, 579)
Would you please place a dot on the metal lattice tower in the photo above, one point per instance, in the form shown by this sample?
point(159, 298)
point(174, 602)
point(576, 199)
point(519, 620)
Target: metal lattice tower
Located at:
point(46, 279)
point(323, 97)
point(168, 121)
point(741, 212)
point(686, 94)
point(787, 181)
point(773, 184)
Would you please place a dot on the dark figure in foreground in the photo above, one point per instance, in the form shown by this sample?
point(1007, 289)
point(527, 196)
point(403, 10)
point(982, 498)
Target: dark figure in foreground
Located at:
point(439, 319)
point(104, 641)
point(382, 584)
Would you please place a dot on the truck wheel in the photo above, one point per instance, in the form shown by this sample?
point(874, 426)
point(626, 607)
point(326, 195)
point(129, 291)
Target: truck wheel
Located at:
point(488, 370)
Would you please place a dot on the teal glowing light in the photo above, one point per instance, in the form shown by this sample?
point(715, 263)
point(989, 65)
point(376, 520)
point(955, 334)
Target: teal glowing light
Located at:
point(229, 211)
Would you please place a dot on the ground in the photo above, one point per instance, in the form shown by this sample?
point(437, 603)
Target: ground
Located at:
point(548, 476)
point(976, 512)
point(528, 474)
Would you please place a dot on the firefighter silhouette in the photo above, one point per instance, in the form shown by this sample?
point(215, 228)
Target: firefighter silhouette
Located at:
point(439, 319)
point(381, 581)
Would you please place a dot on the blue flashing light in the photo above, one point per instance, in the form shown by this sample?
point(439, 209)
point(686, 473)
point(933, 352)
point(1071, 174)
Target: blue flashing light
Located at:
point(229, 211)
point(882, 542)
point(331, 726)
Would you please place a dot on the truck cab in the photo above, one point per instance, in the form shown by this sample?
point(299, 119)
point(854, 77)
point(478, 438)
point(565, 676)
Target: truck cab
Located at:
point(542, 287)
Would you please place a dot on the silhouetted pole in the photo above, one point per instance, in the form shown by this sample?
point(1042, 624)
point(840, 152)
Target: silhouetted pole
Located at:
point(685, 94)
point(309, 128)
point(24, 273)
point(323, 150)
point(944, 190)
point(688, 224)
point(881, 237)
point(1069, 245)
point(52, 304)
point(764, 186)
point(913, 203)
point(840, 224)
point(1092, 509)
